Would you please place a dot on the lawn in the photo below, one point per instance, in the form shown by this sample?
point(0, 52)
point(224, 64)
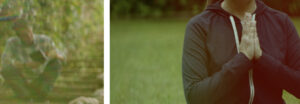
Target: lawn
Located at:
point(146, 62)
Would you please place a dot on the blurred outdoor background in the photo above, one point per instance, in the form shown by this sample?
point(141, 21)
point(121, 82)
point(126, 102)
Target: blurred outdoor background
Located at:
point(146, 48)
point(76, 26)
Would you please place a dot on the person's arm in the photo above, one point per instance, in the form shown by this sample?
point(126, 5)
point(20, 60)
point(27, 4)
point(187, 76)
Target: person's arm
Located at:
point(8, 57)
point(10, 72)
point(51, 51)
point(199, 87)
point(285, 75)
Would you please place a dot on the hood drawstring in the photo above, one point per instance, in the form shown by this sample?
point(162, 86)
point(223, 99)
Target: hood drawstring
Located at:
point(251, 84)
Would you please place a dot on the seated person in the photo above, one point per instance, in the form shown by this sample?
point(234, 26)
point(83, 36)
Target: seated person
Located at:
point(30, 63)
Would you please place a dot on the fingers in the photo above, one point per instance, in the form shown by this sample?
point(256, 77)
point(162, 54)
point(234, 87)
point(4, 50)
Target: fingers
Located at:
point(246, 28)
point(247, 16)
point(253, 29)
point(248, 36)
point(249, 29)
point(247, 24)
point(258, 51)
point(253, 34)
point(255, 39)
point(246, 19)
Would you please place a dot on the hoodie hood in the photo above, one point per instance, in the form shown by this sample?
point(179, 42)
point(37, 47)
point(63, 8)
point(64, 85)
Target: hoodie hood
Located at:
point(216, 7)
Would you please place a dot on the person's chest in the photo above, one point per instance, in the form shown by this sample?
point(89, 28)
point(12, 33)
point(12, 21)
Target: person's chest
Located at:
point(24, 52)
point(221, 46)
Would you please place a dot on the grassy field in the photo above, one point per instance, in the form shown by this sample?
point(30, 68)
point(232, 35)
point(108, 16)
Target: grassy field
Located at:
point(146, 62)
point(79, 77)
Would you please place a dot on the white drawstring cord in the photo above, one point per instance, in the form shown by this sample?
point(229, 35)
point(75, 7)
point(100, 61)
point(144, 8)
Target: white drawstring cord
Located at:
point(237, 43)
point(251, 84)
point(252, 89)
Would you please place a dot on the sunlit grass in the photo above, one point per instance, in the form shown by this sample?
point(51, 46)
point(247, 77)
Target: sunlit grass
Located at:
point(146, 61)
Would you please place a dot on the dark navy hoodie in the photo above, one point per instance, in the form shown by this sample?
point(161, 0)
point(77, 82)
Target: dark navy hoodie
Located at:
point(215, 73)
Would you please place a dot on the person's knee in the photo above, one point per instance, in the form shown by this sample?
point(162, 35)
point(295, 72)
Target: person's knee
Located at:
point(9, 72)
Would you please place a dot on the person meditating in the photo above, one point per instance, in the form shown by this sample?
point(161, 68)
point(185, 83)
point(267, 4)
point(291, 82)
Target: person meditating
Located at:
point(30, 63)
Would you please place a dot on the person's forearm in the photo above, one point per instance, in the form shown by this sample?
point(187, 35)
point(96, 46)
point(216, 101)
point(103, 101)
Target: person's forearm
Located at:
point(220, 83)
point(54, 55)
point(280, 74)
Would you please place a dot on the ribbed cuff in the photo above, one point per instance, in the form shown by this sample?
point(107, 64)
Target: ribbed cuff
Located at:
point(240, 64)
point(268, 63)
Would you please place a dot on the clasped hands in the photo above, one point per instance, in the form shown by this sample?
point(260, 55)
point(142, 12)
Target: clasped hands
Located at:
point(249, 44)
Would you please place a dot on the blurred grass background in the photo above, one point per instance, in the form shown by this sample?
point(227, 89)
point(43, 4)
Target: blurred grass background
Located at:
point(181, 8)
point(146, 61)
point(76, 26)
point(146, 48)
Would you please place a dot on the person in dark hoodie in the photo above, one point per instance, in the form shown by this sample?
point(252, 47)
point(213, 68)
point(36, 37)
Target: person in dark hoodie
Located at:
point(30, 63)
point(231, 57)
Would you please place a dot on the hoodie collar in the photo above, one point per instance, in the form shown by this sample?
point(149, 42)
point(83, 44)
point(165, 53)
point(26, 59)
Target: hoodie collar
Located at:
point(216, 7)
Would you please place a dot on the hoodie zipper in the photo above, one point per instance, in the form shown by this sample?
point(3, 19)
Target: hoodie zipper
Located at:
point(250, 73)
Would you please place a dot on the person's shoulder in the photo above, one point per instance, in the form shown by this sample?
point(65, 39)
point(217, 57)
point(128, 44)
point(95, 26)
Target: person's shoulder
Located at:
point(276, 14)
point(199, 23)
point(204, 16)
point(202, 20)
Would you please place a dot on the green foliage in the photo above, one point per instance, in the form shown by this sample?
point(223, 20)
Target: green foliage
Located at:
point(75, 25)
point(152, 8)
point(160, 8)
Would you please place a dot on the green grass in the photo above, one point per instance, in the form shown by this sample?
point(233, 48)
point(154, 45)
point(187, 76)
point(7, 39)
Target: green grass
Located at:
point(146, 62)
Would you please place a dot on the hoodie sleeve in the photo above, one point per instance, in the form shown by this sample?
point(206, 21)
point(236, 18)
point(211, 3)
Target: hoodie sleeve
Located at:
point(9, 56)
point(285, 75)
point(199, 86)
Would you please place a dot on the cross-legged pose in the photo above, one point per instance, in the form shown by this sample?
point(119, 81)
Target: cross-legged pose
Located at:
point(30, 63)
